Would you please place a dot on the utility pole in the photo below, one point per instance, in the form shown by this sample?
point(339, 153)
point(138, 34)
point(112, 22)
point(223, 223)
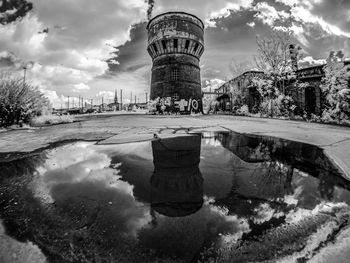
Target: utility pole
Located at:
point(79, 102)
point(91, 103)
point(121, 99)
point(24, 77)
point(146, 97)
point(102, 104)
point(135, 99)
point(82, 104)
point(68, 103)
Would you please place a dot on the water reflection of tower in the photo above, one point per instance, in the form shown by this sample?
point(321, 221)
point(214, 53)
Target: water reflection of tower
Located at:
point(176, 183)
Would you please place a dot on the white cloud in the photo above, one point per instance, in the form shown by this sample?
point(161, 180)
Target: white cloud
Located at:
point(105, 94)
point(225, 11)
point(81, 35)
point(80, 38)
point(268, 14)
point(251, 24)
point(212, 84)
point(55, 100)
point(81, 87)
point(208, 9)
point(309, 61)
point(61, 101)
point(301, 10)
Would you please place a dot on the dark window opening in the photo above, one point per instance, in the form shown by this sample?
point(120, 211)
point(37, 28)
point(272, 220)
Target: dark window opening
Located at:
point(175, 43)
point(164, 44)
point(187, 44)
point(195, 47)
point(155, 47)
point(175, 97)
point(175, 74)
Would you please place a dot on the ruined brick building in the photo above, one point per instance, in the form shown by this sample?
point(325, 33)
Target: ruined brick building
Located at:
point(175, 44)
point(308, 99)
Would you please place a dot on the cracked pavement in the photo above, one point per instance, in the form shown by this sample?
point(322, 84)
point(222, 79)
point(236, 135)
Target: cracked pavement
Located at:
point(334, 140)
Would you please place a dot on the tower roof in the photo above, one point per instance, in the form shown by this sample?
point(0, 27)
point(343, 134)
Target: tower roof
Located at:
point(175, 13)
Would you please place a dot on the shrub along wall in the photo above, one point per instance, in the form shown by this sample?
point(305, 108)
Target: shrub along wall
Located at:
point(19, 101)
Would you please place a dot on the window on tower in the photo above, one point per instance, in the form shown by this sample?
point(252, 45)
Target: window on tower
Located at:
point(175, 43)
point(175, 97)
point(195, 47)
point(175, 74)
point(155, 48)
point(187, 44)
point(164, 44)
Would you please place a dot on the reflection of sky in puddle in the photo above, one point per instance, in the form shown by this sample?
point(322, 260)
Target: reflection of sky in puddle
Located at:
point(81, 178)
point(108, 187)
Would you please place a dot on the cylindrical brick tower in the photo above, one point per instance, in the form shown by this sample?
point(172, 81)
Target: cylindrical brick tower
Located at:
point(175, 43)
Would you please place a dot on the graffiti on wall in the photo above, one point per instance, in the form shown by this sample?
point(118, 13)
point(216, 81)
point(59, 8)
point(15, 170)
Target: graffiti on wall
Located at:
point(170, 105)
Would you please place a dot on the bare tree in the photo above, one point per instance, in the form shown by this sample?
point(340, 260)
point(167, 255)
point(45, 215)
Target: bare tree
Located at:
point(274, 52)
point(238, 68)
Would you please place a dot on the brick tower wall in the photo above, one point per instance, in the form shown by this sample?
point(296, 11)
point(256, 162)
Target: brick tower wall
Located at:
point(175, 44)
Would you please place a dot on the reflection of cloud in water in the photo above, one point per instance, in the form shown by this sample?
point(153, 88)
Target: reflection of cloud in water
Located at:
point(264, 213)
point(298, 214)
point(141, 149)
point(185, 236)
point(82, 185)
point(292, 199)
point(11, 250)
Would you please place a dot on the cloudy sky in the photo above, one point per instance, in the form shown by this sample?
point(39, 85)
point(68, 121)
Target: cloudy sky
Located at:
point(91, 48)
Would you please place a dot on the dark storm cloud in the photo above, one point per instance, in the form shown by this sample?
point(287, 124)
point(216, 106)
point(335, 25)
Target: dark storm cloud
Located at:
point(321, 43)
point(232, 38)
point(11, 10)
point(336, 12)
point(132, 55)
point(6, 62)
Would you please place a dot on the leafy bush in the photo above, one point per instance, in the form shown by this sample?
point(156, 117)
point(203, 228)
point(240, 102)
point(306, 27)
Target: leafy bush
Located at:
point(266, 86)
point(209, 103)
point(19, 101)
point(282, 106)
point(244, 110)
point(335, 87)
point(51, 119)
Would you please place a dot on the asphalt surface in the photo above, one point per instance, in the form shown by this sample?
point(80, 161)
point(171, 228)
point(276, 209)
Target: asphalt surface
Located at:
point(335, 140)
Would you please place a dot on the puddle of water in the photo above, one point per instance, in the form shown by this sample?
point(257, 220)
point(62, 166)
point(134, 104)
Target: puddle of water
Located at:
point(222, 197)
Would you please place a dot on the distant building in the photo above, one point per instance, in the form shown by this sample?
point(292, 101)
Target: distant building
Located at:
point(115, 106)
point(308, 99)
point(241, 90)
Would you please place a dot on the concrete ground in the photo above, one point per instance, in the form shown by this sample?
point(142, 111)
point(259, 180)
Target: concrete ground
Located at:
point(335, 140)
